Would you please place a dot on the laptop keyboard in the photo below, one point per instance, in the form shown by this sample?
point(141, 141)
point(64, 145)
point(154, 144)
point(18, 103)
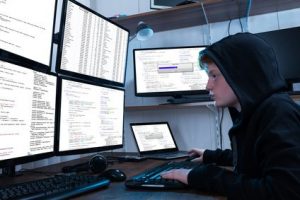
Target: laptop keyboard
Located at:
point(151, 178)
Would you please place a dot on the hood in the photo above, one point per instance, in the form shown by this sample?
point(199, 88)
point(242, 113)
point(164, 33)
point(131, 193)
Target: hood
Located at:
point(249, 66)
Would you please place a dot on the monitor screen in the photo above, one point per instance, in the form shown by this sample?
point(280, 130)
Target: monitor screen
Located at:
point(153, 136)
point(286, 44)
point(169, 71)
point(27, 113)
point(91, 45)
point(26, 29)
point(91, 117)
point(162, 4)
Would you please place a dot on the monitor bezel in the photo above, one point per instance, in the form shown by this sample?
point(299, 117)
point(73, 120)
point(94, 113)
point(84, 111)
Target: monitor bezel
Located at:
point(58, 112)
point(61, 43)
point(21, 60)
point(26, 159)
point(176, 94)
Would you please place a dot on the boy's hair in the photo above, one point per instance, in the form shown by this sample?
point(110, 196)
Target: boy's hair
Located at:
point(204, 60)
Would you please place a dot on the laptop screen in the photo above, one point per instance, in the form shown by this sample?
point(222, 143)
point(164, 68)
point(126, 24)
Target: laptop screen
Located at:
point(154, 136)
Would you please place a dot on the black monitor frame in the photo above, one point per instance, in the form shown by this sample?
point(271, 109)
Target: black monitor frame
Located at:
point(23, 61)
point(175, 94)
point(286, 45)
point(8, 165)
point(61, 42)
point(58, 106)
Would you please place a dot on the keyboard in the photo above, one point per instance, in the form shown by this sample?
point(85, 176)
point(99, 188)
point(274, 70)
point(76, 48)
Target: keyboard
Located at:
point(151, 178)
point(56, 187)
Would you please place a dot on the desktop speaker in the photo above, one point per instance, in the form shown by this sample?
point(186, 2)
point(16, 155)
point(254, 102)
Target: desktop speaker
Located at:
point(96, 164)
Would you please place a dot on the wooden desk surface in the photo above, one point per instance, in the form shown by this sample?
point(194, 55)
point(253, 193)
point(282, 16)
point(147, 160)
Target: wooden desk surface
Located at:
point(117, 190)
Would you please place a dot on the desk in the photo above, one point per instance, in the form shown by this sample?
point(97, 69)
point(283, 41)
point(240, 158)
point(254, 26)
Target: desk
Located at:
point(116, 190)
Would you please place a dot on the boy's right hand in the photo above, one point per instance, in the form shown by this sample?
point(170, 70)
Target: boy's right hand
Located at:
point(197, 153)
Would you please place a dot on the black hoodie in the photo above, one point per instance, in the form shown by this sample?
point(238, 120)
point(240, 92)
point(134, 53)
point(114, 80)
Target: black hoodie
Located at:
point(265, 137)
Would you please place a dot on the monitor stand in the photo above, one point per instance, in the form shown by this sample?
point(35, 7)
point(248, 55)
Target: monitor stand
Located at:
point(56, 38)
point(186, 2)
point(10, 171)
point(181, 99)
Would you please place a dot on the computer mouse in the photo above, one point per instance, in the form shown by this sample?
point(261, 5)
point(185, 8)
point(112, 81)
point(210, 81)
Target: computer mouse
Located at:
point(114, 175)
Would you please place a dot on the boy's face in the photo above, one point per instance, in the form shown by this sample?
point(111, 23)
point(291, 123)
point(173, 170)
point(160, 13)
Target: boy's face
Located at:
point(220, 90)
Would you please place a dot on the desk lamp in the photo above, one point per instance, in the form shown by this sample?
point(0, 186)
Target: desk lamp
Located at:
point(143, 32)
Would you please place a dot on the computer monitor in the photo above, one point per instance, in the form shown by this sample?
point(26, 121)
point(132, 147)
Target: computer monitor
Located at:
point(26, 29)
point(172, 71)
point(90, 117)
point(91, 46)
point(286, 44)
point(27, 113)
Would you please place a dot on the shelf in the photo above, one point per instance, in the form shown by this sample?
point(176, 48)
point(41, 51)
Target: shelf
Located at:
point(168, 106)
point(192, 14)
point(295, 97)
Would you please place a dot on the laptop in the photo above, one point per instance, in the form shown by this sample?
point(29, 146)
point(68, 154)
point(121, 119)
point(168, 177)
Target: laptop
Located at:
point(155, 140)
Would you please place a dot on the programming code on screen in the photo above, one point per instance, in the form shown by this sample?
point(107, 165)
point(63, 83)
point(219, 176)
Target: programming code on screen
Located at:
point(27, 111)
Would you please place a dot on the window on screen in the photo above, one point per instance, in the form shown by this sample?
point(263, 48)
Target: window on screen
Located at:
point(92, 45)
point(168, 71)
point(91, 116)
point(27, 111)
point(26, 28)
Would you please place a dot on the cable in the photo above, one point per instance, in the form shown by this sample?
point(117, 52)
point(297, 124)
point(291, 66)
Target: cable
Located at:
point(218, 124)
point(220, 128)
point(228, 28)
point(239, 14)
point(205, 16)
point(249, 5)
point(207, 23)
point(241, 24)
point(248, 8)
point(278, 24)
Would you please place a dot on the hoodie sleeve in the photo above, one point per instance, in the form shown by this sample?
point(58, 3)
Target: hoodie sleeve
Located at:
point(211, 178)
point(218, 156)
point(216, 180)
point(278, 161)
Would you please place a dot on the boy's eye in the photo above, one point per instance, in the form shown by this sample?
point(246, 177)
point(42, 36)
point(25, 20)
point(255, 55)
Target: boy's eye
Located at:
point(214, 76)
